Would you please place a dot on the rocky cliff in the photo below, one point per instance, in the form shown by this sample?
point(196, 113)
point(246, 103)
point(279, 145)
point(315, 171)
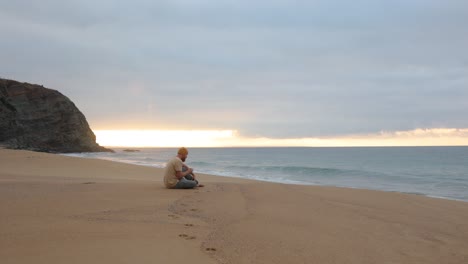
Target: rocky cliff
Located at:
point(36, 118)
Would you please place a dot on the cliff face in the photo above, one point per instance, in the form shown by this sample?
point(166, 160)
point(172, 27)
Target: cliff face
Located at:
point(36, 118)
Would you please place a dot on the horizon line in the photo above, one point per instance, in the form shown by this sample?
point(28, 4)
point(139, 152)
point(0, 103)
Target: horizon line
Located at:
point(436, 137)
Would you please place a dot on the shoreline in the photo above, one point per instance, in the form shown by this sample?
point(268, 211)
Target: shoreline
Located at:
point(59, 209)
point(289, 182)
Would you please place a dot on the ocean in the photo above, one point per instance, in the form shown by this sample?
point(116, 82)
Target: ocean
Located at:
point(440, 172)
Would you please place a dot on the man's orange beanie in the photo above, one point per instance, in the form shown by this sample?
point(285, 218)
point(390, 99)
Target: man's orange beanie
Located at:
point(182, 151)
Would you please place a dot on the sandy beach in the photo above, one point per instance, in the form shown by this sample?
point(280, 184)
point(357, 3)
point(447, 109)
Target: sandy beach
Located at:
point(58, 209)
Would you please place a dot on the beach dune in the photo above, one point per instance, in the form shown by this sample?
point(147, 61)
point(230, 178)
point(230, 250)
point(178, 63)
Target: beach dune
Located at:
point(58, 209)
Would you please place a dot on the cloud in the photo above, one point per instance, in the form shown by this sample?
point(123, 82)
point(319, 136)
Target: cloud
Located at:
point(230, 138)
point(416, 137)
point(265, 68)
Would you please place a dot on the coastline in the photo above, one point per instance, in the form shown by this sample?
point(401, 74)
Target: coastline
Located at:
point(414, 171)
point(65, 209)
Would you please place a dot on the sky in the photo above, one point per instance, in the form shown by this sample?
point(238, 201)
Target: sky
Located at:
point(265, 71)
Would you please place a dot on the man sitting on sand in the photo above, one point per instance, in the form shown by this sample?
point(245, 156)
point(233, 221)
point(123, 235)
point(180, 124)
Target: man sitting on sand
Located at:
point(177, 175)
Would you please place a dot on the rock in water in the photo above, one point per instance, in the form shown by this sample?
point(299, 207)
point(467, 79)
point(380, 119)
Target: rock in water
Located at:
point(40, 119)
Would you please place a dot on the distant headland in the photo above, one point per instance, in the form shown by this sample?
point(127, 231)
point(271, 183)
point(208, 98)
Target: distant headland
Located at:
point(37, 118)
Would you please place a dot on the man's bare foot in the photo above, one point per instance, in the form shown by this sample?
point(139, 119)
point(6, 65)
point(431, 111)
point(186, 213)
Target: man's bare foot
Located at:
point(201, 185)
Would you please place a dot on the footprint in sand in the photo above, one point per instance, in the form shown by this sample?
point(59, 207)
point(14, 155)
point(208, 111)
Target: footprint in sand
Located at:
point(88, 183)
point(187, 237)
point(188, 224)
point(173, 216)
point(210, 249)
point(194, 209)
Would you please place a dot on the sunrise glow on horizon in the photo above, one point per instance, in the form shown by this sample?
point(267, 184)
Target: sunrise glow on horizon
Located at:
point(161, 138)
point(231, 138)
